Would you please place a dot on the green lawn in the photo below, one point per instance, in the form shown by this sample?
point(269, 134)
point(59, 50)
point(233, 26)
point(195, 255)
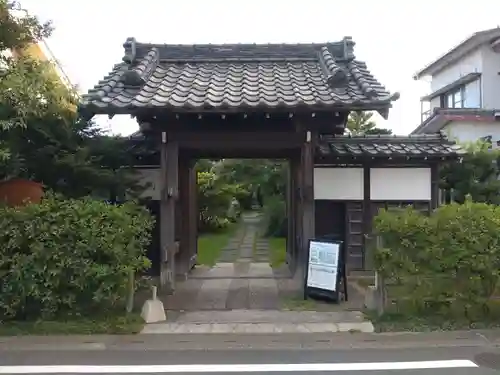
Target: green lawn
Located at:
point(277, 249)
point(211, 244)
point(114, 325)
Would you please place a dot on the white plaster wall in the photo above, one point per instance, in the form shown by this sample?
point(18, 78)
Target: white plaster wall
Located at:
point(491, 79)
point(400, 184)
point(470, 63)
point(338, 183)
point(152, 176)
point(465, 131)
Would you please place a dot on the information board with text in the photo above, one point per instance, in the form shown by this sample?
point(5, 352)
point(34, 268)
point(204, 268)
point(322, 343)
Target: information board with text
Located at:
point(323, 265)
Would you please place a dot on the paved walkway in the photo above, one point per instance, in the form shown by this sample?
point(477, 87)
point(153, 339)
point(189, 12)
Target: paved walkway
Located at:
point(243, 294)
point(241, 279)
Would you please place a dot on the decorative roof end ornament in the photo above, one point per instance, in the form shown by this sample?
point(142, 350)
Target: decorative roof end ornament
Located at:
point(130, 50)
point(348, 48)
point(335, 75)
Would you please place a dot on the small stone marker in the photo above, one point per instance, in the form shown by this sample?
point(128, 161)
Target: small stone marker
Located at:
point(153, 311)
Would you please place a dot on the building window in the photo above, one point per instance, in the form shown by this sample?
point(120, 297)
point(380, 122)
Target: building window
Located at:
point(454, 99)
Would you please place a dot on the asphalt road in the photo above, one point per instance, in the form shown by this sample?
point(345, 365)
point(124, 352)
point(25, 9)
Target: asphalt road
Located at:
point(414, 361)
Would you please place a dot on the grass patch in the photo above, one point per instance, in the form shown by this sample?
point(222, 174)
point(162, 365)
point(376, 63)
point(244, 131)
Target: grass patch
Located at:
point(111, 325)
point(299, 304)
point(365, 282)
point(449, 320)
point(210, 245)
point(402, 323)
point(277, 251)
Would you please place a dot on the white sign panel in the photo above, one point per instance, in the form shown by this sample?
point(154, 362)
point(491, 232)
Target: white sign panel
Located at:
point(323, 265)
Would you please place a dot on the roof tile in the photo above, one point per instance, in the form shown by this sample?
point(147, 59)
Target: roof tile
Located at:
point(383, 146)
point(219, 77)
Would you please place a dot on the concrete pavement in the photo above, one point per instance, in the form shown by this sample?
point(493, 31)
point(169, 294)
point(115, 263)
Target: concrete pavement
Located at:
point(421, 360)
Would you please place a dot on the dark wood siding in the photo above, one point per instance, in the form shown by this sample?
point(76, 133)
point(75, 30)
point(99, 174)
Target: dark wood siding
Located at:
point(330, 219)
point(354, 242)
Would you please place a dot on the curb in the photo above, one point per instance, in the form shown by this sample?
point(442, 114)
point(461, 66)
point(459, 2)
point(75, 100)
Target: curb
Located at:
point(255, 328)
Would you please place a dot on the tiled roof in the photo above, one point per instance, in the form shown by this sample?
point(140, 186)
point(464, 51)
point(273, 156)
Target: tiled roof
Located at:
point(443, 116)
point(238, 76)
point(386, 146)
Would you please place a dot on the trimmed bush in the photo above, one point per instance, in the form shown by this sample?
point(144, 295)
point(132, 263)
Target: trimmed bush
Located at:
point(216, 201)
point(69, 256)
point(275, 217)
point(445, 263)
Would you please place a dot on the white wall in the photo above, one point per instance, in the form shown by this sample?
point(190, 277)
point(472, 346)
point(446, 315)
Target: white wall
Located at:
point(491, 79)
point(471, 63)
point(152, 176)
point(407, 184)
point(483, 60)
point(338, 183)
point(400, 184)
point(467, 131)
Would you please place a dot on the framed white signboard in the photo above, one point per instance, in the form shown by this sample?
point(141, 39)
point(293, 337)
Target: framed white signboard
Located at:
point(323, 265)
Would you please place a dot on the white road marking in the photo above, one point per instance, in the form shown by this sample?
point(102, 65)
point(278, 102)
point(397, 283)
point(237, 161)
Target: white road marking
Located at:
point(224, 368)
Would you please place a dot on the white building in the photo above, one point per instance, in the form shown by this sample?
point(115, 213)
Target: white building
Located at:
point(464, 98)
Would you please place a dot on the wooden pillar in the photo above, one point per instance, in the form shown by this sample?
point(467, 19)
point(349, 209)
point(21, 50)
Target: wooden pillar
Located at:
point(434, 203)
point(193, 214)
point(307, 171)
point(182, 266)
point(169, 168)
point(367, 218)
point(289, 215)
point(296, 211)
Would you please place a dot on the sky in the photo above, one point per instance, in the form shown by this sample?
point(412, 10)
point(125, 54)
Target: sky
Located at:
point(395, 38)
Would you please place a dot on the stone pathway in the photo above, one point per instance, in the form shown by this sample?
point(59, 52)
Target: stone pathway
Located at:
point(241, 279)
point(263, 321)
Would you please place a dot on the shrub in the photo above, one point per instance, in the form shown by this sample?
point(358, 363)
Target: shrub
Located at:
point(70, 256)
point(447, 262)
point(275, 217)
point(216, 202)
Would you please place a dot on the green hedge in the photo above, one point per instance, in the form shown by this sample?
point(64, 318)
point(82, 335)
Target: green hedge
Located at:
point(275, 220)
point(445, 263)
point(69, 256)
point(217, 202)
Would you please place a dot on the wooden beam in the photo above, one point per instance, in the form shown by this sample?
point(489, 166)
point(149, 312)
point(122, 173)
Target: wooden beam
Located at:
point(240, 141)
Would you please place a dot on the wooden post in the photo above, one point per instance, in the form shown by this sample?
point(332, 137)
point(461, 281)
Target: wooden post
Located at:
point(307, 169)
point(294, 237)
point(169, 168)
point(290, 217)
point(434, 203)
point(367, 217)
point(193, 214)
point(182, 266)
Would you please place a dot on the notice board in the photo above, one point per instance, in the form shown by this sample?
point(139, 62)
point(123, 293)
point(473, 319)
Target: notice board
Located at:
point(325, 270)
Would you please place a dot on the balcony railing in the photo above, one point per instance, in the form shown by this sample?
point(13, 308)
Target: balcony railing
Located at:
point(425, 115)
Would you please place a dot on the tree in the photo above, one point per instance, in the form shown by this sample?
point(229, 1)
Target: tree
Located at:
point(41, 135)
point(24, 89)
point(476, 175)
point(361, 123)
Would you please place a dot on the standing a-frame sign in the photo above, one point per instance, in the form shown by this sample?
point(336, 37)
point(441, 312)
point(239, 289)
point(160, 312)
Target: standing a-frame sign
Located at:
point(326, 270)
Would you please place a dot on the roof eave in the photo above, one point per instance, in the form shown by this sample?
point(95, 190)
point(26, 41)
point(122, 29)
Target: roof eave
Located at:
point(432, 125)
point(89, 111)
point(469, 44)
